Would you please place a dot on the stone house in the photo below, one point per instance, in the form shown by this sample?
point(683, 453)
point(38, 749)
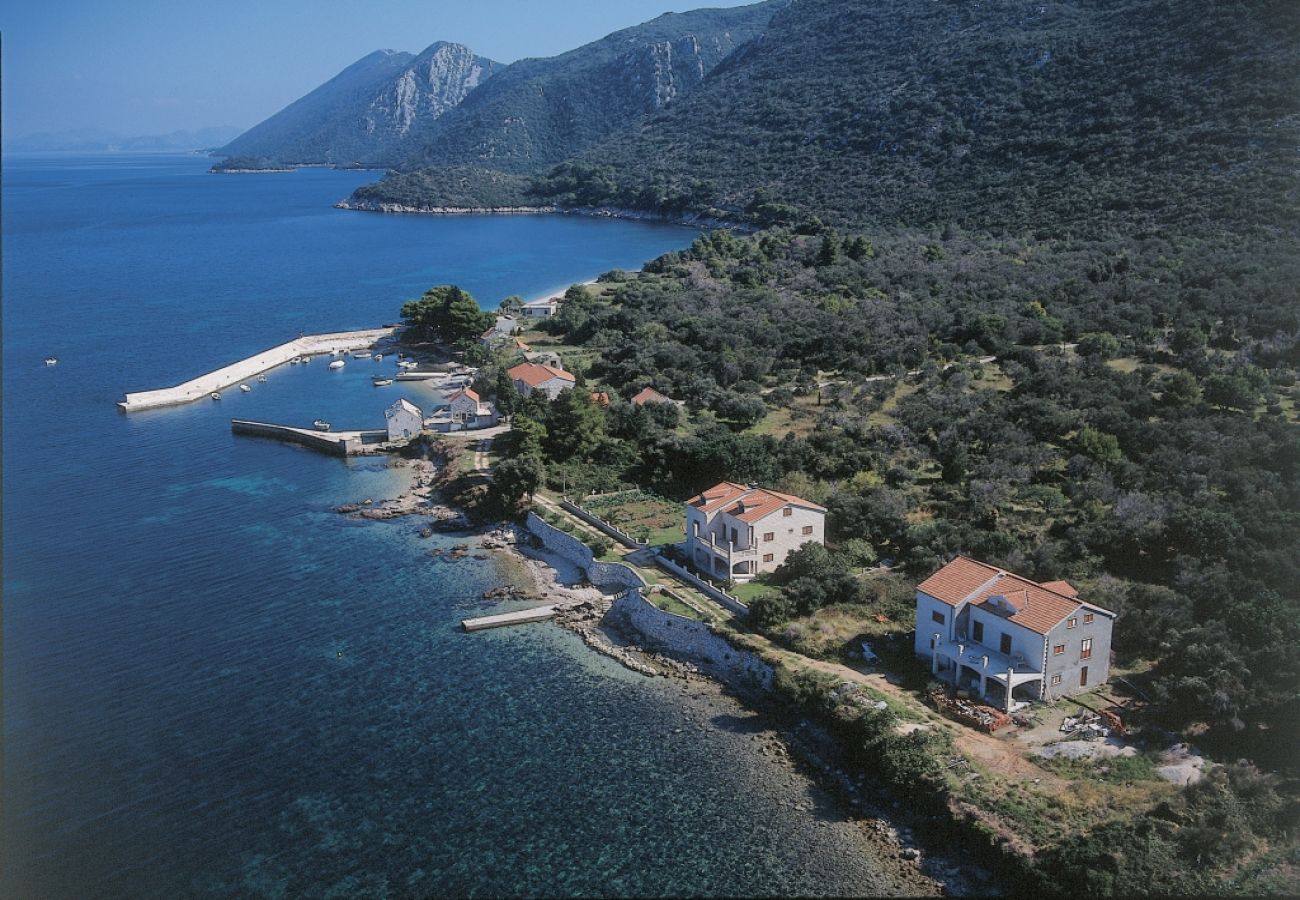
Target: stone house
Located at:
point(403, 420)
point(735, 531)
point(549, 380)
point(1008, 639)
point(501, 331)
point(464, 410)
point(649, 395)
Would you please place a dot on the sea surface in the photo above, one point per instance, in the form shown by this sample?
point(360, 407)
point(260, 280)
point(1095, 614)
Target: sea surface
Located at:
point(214, 685)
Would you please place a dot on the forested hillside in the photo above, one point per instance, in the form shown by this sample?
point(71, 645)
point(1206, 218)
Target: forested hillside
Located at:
point(1005, 115)
point(540, 111)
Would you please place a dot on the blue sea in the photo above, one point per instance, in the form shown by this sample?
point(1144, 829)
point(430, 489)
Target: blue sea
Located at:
point(214, 685)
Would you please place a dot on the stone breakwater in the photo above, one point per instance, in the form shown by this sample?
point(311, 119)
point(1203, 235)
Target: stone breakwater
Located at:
point(220, 379)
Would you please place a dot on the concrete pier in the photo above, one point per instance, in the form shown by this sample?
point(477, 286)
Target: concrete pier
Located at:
point(536, 614)
point(339, 443)
point(245, 369)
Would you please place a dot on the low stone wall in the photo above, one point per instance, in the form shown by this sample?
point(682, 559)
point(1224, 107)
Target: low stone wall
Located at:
point(703, 586)
point(597, 522)
point(688, 639)
point(602, 574)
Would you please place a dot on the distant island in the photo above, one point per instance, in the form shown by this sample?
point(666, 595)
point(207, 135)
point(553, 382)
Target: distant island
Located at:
point(98, 140)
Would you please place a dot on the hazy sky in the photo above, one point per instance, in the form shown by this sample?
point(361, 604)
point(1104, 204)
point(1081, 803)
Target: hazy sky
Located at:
point(152, 66)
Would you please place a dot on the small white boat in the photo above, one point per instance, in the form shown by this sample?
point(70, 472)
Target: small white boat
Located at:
point(378, 357)
point(295, 361)
point(321, 425)
point(360, 354)
point(215, 396)
point(262, 379)
point(408, 364)
point(245, 388)
point(337, 364)
point(51, 360)
point(305, 360)
point(381, 382)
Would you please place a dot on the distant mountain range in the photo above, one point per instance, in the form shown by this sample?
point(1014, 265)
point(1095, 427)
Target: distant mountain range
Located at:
point(374, 112)
point(90, 140)
point(450, 107)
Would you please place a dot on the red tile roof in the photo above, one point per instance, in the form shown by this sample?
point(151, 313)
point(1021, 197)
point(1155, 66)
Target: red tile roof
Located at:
point(718, 495)
point(1038, 607)
point(464, 392)
point(649, 395)
point(1063, 588)
point(533, 374)
point(745, 503)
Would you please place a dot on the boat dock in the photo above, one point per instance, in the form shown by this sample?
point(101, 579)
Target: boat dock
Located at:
point(519, 617)
point(200, 387)
point(339, 443)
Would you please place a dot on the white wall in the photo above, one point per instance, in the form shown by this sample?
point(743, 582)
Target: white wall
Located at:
point(925, 624)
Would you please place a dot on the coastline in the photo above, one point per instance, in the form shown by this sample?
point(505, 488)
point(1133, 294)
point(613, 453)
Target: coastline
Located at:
point(796, 744)
point(906, 844)
point(690, 220)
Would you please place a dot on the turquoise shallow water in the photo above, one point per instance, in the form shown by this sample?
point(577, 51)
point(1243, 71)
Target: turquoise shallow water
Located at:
point(216, 686)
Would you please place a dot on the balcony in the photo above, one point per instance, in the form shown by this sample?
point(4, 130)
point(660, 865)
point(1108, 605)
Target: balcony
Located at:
point(727, 550)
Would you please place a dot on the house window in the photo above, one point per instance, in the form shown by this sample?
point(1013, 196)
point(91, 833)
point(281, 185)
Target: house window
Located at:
point(787, 512)
point(733, 536)
point(1083, 677)
point(1087, 618)
point(937, 616)
point(767, 557)
point(807, 529)
point(1085, 648)
point(1005, 645)
point(1072, 621)
point(1058, 649)
point(769, 535)
point(1056, 679)
point(977, 632)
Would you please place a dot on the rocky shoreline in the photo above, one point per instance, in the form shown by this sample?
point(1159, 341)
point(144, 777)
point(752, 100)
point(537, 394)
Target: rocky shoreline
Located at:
point(799, 745)
point(606, 212)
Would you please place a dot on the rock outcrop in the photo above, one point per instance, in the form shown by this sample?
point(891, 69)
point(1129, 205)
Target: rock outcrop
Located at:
point(372, 113)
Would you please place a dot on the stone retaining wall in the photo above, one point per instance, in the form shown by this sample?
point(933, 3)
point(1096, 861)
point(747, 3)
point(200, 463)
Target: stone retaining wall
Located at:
point(596, 521)
point(601, 574)
point(688, 639)
point(703, 586)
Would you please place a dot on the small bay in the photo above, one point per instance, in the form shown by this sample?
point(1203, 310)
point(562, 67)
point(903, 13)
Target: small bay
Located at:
point(214, 685)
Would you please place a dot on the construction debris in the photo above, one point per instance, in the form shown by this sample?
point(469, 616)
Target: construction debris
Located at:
point(984, 718)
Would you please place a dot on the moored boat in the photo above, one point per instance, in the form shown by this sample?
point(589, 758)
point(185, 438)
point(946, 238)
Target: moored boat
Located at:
point(51, 360)
point(245, 388)
point(321, 425)
point(262, 378)
point(215, 396)
point(337, 364)
point(360, 354)
point(379, 381)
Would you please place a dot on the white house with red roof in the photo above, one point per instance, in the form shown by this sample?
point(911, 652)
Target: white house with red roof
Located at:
point(532, 377)
point(736, 531)
point(1007, 638)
